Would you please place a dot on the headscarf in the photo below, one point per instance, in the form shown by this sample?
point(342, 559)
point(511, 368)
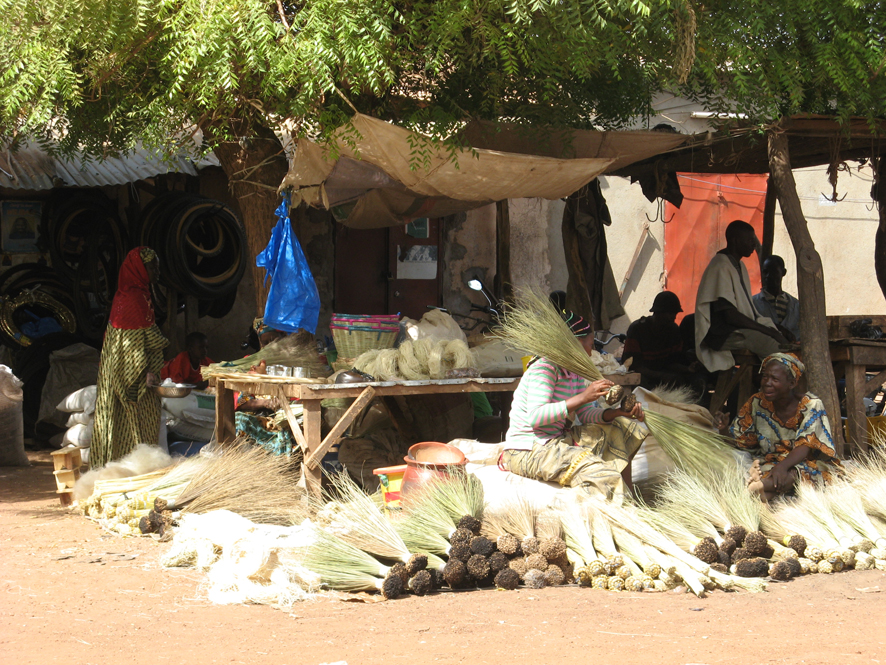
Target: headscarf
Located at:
point(577, 324)
point(132, 309)
point(793, 364)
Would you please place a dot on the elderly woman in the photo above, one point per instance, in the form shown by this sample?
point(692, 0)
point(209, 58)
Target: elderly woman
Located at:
point(126, 412)
point(553, 407)
point(787, 432)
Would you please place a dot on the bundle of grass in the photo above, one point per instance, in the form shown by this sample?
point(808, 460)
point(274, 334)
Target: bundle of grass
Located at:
point(393, 587)
point(399, 569)
point(516, 518)
point(813, 498)
point(702, 453)
point(416, 563)
point(470, 523)
point(780, 571)
point(426, 525)
point(507, 579)
point(536, 561)
point(461, 536)
point(421, 583)
point(742, 508)
point(753, 567)
point(292, 351)
point(534, 579)
point(478, 567)
point(343, 567)
point(509, 545)
point(519, 566)
point(482, 545)
point(737, 534)
point(552, 548)
point(249, 481)
point(455, 573)
point(669, 526)
point(498, 561)
point(529, 545)
point(694, 503)
point(577, 533)
point(361, 522)
point(796, 543)
point(793, 519)
point(461, 496)
point(847, 505)
point(554, 575)
point(755, 543)
point(794, 566)
point(461, 551)
point(728, 546)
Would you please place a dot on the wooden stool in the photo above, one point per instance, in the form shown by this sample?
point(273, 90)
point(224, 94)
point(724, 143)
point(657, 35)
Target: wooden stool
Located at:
point(741, 376)
point(67, 463)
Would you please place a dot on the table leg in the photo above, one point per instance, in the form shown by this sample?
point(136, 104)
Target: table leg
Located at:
point(856, 421)
point(225, 430)
point(311, 421)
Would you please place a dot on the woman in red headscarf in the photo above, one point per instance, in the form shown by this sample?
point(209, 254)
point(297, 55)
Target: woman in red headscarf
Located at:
point(126, 412)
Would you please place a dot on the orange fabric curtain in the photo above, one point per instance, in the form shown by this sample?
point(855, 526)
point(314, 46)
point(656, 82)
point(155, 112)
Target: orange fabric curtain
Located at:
point(696, 230)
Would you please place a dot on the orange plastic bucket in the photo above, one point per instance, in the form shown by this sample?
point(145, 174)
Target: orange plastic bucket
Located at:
point(390, 478)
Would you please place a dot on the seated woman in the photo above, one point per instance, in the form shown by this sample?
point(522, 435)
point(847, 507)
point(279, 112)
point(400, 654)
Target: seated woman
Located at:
point(787, 432)
point(185, 367)
point(554, 406)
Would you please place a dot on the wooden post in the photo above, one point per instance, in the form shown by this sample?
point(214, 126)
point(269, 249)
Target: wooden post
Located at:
point(502, 285)
point(343, 423)
point(878, 192)
point(768, 220)
point(578, 294)
point(312, 421)
point(810, 284)
point(856, 420)
point(225, 430)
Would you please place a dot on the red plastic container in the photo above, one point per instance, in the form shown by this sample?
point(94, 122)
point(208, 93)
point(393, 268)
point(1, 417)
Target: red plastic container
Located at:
point(428, 461)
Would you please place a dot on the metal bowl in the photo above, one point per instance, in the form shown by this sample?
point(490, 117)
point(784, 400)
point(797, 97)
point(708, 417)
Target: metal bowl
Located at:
point(172, 391)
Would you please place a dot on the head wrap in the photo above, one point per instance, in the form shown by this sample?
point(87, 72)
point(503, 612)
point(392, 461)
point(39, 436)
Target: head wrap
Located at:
point(577, 324)
point(132, 309)
point(793, 364)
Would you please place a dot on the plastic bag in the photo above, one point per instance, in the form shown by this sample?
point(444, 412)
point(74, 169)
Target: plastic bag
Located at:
point(435, 325)
point(293, 300)
point(12, 443)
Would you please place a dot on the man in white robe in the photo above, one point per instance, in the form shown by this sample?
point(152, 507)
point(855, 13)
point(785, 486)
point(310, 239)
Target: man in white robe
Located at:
point(725, 317)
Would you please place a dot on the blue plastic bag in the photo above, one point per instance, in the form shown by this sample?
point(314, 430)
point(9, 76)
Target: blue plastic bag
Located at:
point(293, 301)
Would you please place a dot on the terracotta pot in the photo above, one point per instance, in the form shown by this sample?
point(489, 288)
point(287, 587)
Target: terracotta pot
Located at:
point(428, 461)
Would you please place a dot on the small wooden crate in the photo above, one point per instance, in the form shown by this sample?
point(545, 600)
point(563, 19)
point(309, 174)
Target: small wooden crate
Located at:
point(66, 463)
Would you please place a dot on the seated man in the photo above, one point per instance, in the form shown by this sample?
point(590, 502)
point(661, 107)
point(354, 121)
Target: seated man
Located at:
point(185, 367)
point(725, 317)
point(656, 345)
point(778, 305)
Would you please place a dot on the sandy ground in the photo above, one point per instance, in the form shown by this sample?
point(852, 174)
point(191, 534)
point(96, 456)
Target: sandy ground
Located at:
point(73, 594)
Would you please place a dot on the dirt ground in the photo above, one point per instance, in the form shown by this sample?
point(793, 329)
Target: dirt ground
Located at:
point(73, 594)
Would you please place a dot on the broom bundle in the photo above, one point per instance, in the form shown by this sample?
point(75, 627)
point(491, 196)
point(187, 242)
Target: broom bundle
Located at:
point(249, 481)
point(516, 517)
point(360, 522)
point(690, 502)
point(343, 566)
point(702, 453)
point(416, 360)
point(290, 350)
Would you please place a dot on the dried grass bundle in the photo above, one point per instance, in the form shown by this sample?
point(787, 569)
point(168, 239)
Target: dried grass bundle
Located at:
point(534, 325)
point(577, 533)
point(602, 533)
point(741, 507)
point(702, 453)
point(360, 522)
point(290, 350)
point(848, 506)
point(794, 519)
point(342, 566)
point(411, 367)
point(249, 481)
point(459, 494)
point(814, 500)
point(692, 503)
point(669, 527)
point(675, 394)
point(517, 517)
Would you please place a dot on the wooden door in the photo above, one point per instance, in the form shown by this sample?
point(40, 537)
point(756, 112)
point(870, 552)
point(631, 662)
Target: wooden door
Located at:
point(414, 253)
point(361, 271)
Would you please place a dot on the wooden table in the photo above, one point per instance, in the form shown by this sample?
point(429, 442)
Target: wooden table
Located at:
point(309, 436)
point(853, 358)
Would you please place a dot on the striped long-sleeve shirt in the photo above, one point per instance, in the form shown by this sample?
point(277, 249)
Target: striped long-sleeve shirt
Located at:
point(539, 407)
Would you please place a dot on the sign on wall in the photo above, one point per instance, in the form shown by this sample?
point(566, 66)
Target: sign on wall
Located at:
point(19, 225)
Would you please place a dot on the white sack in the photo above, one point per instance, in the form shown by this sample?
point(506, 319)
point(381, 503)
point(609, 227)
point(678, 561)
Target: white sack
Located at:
point(80, 400)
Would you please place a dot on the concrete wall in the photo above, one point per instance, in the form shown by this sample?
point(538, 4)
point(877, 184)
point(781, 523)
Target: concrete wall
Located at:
point(468, 252)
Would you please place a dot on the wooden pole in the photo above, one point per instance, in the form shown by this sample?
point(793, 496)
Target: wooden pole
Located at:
point(878, 193)
point(503, 286)
point(578, 295)
point(769, 219)
point(810, 284)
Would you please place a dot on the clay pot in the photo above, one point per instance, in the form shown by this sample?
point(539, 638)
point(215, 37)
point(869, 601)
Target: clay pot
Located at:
point(427, 461)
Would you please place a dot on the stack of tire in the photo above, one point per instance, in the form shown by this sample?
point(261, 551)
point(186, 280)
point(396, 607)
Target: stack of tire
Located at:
point(201, 245)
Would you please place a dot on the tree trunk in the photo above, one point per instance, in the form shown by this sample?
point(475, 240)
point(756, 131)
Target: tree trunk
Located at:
point(255, 166)
point(878, 193)
point(810, 284)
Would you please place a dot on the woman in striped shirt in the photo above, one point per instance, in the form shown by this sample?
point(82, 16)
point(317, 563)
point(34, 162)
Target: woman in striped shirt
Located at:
point(552, 405)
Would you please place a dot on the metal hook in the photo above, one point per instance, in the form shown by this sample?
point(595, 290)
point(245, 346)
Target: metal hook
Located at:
point(660, 214)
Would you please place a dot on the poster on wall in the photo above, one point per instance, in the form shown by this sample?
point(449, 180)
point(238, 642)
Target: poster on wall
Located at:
point(19, 224)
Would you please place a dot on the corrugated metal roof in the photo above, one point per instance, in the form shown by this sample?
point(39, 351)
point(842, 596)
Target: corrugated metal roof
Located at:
point(31, 168)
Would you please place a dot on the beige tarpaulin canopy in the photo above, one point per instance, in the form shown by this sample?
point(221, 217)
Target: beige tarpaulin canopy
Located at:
point(385, 175)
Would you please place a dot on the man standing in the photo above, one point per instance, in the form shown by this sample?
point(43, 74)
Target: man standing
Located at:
point(725, 317)
point(778, 305)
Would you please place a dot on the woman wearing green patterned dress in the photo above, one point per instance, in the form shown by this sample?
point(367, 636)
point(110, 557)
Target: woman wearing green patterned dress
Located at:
point(126, 412)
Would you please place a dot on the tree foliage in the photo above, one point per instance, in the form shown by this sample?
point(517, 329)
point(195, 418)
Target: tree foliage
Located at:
point(771, 59)
point(104, 73)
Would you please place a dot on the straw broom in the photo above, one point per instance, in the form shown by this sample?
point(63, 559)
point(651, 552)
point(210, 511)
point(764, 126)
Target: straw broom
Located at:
point(578, 536)
point(689, 502)
point(704, 454)
point(741, 507)
point(517, 518)
point(249, 481)
point(360, 522)
point(459, 494)
point(342, 566)
point(847, 505)
point(795, 520)
point(812, 499)
point(289, 350)
point(426, 526)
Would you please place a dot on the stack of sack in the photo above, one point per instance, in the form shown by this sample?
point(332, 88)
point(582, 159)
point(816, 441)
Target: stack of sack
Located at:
point(81, 407)
point(186, 421)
